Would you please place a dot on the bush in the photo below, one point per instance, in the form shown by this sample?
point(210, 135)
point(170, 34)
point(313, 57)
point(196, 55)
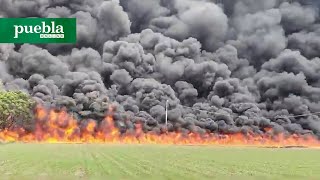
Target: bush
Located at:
point(15, 109)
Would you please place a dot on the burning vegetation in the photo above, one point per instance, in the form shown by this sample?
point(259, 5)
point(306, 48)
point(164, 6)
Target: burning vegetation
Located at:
point(233, 72)
point(57, 126)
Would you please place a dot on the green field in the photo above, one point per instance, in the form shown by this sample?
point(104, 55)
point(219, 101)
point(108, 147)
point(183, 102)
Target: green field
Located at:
point(76, 161)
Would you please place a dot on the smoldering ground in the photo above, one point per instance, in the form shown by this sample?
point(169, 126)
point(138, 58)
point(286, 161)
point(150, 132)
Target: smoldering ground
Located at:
point(225, 66)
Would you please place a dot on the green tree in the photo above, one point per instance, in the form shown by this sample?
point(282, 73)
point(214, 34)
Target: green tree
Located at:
point(15, 109)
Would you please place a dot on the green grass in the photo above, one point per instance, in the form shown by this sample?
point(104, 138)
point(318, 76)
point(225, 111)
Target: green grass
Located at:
point(75, 161)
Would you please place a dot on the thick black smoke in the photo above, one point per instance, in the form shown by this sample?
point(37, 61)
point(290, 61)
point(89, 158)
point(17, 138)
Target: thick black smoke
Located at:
point(225, 66)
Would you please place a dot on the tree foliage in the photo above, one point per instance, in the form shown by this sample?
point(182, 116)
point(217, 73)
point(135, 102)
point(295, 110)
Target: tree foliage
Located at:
point(15, 109)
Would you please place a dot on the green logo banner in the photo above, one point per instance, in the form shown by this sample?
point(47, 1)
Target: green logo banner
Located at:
point(38, 30)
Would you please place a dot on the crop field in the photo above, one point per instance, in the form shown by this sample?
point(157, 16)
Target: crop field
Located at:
point(83, 161)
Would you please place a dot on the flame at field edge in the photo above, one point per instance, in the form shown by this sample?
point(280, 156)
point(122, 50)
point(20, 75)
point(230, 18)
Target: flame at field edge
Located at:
point(60, 127)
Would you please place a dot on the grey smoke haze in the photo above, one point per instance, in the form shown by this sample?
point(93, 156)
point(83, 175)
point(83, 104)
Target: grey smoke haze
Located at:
point(225, 66)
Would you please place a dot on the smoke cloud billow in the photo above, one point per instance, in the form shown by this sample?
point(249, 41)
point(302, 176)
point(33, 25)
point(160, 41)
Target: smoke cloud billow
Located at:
point(224, 66)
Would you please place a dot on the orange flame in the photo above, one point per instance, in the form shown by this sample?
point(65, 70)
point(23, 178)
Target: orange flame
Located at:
point(60, 127)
